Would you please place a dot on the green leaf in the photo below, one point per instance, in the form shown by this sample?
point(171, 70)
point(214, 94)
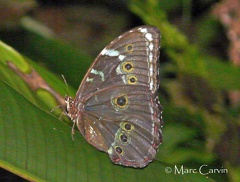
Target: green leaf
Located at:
point(40, 97)
point(55, 53)
point(38, 146)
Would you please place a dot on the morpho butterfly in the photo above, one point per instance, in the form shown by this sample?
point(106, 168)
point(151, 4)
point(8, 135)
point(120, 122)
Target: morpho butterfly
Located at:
point(116, 107)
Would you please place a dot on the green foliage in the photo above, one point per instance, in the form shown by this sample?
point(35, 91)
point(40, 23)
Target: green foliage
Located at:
point(38, 147)
point(198, 89)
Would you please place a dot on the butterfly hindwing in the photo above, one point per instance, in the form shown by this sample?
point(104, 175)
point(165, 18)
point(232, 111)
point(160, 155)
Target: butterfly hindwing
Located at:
point(139, 111)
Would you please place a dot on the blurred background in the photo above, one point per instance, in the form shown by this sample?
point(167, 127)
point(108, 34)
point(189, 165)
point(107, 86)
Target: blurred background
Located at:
point(200, 59)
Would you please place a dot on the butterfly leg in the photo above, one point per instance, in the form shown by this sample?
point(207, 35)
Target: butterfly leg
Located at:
point(74, 124)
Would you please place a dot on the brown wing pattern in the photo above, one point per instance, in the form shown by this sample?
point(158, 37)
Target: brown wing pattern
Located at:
point(139, 46)
point(122, 114)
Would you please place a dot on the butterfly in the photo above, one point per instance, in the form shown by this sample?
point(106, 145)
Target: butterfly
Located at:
point(116, 107)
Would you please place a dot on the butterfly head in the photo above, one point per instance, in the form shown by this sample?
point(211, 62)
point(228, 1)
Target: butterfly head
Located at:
point(73, 107)
point(69, 104)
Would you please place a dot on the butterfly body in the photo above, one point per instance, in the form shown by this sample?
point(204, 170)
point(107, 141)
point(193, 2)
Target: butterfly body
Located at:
point(116, 107)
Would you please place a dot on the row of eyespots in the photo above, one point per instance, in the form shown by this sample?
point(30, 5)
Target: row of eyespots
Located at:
point(123, 137)
point(128, 67)
point(122, 101)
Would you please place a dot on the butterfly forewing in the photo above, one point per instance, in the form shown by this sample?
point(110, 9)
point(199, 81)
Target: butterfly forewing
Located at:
point(116, 107)
point(137, 48)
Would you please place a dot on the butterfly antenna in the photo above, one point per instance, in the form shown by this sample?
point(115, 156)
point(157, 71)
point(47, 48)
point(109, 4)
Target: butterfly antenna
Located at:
point(65, 82)
point(61, 106)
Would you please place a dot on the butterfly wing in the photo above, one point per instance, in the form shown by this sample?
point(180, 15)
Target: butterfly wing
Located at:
point(139, 47)
point(129, 120)
point(122, 114)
